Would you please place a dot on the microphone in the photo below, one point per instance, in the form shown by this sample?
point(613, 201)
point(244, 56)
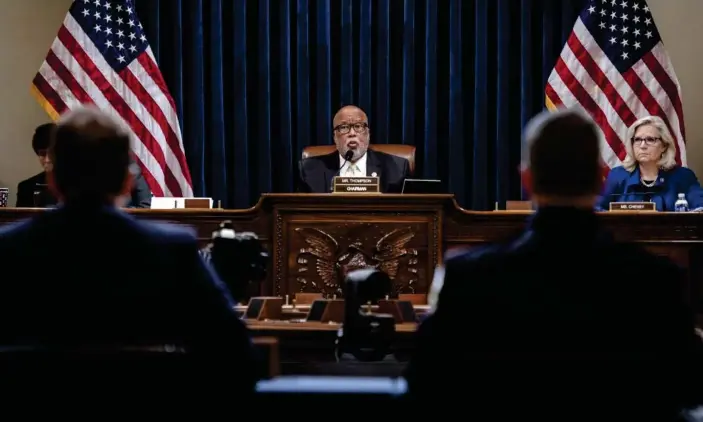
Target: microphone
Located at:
point(39, 190)
point(640, 190)
point(347, 156)
point(646, 193)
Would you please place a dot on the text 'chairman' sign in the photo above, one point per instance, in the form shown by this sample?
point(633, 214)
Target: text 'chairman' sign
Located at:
point(356, 185)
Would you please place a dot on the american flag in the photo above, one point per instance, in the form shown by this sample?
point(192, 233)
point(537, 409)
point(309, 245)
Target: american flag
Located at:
point(101, 57)
point(614, 66)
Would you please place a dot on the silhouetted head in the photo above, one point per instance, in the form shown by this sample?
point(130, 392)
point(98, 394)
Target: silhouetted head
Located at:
point(562, 164)
point(367, 284)
point(90, 158)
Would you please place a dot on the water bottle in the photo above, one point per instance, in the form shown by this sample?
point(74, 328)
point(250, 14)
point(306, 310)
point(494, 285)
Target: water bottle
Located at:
point(681, 204)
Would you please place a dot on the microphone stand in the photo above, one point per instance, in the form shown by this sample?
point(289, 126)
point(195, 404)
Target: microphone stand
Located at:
point(347, 156)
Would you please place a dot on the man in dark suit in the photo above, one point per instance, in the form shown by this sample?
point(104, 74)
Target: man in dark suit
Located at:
point(90, 276)
point(352, 133)
point(563, 320)
point(33, 192)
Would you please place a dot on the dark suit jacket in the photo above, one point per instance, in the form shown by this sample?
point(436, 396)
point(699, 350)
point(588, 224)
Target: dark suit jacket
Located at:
point(561, 314)
point(96, 276)
point(623, 186)
point(316, 173)
point(141, 194)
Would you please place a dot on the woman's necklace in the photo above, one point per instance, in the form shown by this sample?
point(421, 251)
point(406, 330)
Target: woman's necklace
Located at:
point(649, 184)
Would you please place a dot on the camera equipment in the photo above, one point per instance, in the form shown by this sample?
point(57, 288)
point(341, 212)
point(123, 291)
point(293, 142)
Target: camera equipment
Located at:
point(238, 258)
point(365, 335)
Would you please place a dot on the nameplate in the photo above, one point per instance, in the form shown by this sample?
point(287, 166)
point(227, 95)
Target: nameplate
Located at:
point(365, 184)
point(633, 206)
point(170, 203)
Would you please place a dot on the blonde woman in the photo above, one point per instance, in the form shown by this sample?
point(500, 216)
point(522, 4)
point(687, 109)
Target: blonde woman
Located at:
point(649, 172)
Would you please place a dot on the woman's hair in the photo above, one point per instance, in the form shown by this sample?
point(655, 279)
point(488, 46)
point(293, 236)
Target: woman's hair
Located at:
point(668, 159)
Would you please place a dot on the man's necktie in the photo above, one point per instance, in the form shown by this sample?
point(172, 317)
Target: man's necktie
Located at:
point(352, 170)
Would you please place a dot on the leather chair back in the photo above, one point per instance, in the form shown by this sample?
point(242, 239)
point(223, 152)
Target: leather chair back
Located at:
point(399, 150)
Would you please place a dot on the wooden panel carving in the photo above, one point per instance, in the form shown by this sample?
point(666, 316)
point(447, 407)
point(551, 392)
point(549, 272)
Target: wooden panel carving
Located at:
point(320, 254)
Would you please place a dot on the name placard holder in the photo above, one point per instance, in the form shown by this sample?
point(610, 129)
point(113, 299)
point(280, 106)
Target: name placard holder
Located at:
point(263, 307)
point(633, 206)
point(359, 185)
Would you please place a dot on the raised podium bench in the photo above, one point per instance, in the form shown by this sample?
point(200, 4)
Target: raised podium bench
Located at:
point(404, 235)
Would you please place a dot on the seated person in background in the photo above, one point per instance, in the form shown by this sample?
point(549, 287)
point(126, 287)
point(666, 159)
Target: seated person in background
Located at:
point(649, 172)
point(352, 133)
point(140, 193)
point(37, 183)
point(562, 320)
point(94, 277)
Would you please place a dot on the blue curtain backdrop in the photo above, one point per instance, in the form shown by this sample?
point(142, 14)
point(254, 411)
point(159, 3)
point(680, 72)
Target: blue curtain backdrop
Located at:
point(255, 81)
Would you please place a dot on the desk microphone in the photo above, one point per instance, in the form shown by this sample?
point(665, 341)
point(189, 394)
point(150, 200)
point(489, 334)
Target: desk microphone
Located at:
point(635, 193)
point(347, 156)
point(639, 190)
point(39, 189)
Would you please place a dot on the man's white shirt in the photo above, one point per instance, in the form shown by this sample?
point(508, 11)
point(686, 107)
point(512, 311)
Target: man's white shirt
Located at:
point(356, 169)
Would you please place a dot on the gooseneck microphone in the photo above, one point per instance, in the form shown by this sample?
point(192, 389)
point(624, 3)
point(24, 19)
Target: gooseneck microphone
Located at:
point(639, 193)
point(40, 190)
point(642, 193)
point(645, 193)
point(347, 156)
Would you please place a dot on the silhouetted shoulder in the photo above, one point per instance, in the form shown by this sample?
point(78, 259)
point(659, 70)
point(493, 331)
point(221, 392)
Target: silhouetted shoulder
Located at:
point(458, 255)
point(484, 254)
point(168, 232)
point(27, 227)
point(637, 258)
point(459, 263)
point(14, 228)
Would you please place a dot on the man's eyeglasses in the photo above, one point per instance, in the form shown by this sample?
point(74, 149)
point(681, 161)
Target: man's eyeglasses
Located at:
point(648, 140)
point(345, 128)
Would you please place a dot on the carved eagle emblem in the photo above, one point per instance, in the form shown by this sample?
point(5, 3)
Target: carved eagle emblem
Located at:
point(332, 262)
